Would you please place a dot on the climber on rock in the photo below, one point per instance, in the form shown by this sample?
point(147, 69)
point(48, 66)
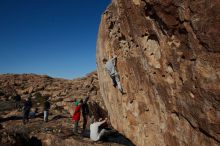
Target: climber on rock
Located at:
point(110, 67)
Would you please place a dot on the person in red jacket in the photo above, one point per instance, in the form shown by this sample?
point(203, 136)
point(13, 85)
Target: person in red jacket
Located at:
point(76, 116)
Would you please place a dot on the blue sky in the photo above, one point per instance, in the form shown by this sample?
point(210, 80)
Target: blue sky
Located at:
point(53, 37)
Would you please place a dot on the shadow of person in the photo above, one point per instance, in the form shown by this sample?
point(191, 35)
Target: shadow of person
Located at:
point(114, 137)
point(10, 118)
point(57, 117)
point(35, 142)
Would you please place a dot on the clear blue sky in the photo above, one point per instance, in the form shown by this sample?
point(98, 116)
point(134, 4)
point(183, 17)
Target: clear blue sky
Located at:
point(53, 37)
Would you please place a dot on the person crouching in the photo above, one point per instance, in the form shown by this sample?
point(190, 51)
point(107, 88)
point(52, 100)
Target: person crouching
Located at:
point(95, 135)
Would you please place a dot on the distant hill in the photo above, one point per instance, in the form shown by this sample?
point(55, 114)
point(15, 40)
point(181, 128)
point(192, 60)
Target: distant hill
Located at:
point(60, 91)
point(30, 85)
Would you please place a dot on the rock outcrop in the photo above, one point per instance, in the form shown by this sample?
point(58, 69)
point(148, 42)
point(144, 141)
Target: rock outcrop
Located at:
point(169, 66)
point(61, 91)
point(31, 84)
point(58, 130)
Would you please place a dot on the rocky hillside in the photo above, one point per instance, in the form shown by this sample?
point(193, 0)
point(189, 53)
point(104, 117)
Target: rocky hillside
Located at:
point(169, 66)
point(58, 130)
point(60, 91)
point(30, 85)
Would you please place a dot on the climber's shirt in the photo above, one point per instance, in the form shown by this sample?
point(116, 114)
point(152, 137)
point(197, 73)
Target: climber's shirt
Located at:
point(110, 67)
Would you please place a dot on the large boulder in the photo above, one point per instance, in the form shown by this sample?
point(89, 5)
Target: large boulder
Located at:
point(169, 66)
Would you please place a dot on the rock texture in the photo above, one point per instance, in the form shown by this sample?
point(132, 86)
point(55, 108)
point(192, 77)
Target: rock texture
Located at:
point(31, 84)
point(61, 91)
point(169, 66)
point(58, 130)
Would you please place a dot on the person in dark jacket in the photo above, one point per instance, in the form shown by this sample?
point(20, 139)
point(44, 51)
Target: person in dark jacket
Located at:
point(26, 110)
point(85, 112)
point(17, 101)
point(46, 109)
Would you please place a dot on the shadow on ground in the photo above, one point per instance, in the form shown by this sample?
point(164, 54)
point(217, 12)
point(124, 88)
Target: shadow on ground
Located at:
point(114, 137)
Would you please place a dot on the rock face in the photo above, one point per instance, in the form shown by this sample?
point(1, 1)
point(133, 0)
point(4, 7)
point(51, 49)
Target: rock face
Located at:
point(169, 66)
